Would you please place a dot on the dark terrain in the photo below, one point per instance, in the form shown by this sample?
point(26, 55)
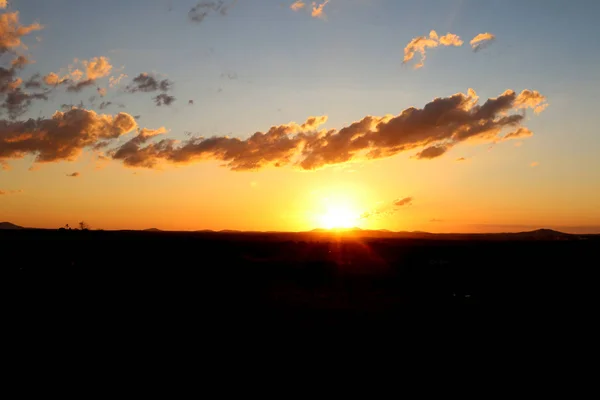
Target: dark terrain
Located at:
point(210, 281)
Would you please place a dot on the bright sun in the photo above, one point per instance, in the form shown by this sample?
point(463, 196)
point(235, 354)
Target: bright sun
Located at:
point(338, 217)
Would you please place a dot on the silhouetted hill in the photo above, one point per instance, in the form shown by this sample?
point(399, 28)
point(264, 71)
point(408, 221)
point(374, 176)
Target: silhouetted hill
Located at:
point(152, 230)
point(8, 225)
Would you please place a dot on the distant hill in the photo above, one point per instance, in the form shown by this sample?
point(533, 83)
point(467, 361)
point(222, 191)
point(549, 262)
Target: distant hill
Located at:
point(152, 230)
point(9, 226)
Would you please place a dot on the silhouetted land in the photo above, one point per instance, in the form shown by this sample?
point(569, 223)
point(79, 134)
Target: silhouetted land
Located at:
point(209, 280)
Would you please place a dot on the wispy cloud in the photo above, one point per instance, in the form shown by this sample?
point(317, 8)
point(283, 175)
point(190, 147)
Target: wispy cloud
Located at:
point(318, 9)
point(203, 8)
point(298, 5)
point(420, 45)
point(388, 209)
point(74, 175)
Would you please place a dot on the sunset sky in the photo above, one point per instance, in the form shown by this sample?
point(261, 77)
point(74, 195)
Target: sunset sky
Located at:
point(286, 115)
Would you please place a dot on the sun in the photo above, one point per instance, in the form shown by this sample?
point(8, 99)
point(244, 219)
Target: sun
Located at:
point(339, 217)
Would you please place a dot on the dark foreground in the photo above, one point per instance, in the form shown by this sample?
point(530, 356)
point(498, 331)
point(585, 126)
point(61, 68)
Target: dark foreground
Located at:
point(194, 283)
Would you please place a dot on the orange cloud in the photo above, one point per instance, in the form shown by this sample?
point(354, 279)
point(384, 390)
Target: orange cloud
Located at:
point(421, 43)
point(61, 137)
point(3, 4)
point(298, 5)
point(433, 130)
point(481, 41)
point(317, 9)
point(97, 67)
point(11, 31)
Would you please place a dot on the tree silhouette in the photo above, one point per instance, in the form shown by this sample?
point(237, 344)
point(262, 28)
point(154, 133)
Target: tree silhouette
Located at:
point(84, 226)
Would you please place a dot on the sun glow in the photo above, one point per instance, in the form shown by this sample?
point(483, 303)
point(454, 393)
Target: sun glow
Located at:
point(339, 217)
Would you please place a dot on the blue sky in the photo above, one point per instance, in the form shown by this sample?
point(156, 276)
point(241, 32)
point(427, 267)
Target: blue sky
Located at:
point(289, 66)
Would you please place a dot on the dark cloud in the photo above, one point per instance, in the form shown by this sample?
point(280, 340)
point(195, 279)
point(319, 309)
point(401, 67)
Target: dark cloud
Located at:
point(163, 99)
point(61, 137)
point(148, 83)
point(433, 129)
point(203, 8)
point(191, 102)
point(104, 104)
point(73, 175)
point(20, 62)
point(79, 86)
point(461, 159)
point(34, 82)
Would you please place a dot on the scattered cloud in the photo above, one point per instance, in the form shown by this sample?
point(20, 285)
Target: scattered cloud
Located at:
point(11, 31)
point(460, 159)
point(434, 129)
point(421, 43)
point(74, 175)
point(203, 8)
point(229, 75)
point(97, 67)
point(298, 5)
point(482, 41)
point(534, 164)
point(3, 4)
point(102, 91)
point(436, 220)
point(145, 82)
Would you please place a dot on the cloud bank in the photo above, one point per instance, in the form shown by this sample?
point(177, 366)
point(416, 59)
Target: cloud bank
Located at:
point(431, 131)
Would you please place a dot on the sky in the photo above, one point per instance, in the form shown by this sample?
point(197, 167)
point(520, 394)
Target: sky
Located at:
point(440, 116)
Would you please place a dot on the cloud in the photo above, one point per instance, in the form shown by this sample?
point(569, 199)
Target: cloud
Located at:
point(97, 67)
point(148, 83)
point(7, 192)
point(163, 99)
point(3, 4)
point(74, 175)
point(298, 5)
point(61, 137)
point(534, 164)
point(482, 41)
point(101, 91)
point(114, 81)
point(520, 133)
point(433, 152)
point(11, 31)
point(388, 208)
point(421, 43)
point(203, 8)
point(130, 152)
point(52, 79)
point(229, 75)
point(436, 220)
point(451, 40)
point(20, 62)
point(79, 86)
point(14, 100)
point(145, 82)
point(433, 129)
point(317, 9)
point(403, 202)
point(461, 159)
